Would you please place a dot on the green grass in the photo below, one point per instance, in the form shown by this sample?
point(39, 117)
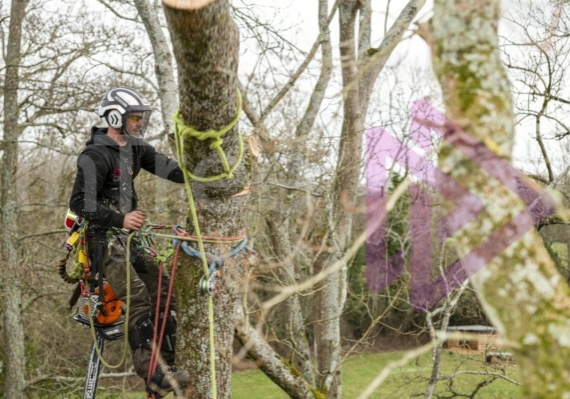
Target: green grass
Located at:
point(405, 382)
point(408, 381)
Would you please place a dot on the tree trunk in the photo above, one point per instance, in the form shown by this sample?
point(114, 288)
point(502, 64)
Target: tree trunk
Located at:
point(330, 293)
point(10, 272)
point(206, 47)
point(520, 289)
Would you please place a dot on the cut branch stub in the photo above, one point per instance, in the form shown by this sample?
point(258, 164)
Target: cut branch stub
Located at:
point(187, 4)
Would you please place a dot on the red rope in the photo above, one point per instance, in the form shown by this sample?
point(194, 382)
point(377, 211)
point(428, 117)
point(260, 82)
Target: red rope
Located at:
point(209, 238)
point(205, 238)
point(156, 348)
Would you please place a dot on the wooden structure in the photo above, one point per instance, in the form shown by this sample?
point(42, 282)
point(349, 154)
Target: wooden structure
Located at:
point(480, 339)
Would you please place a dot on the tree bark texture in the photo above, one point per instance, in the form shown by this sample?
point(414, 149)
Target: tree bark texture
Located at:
point(13, 328)
point(206, 47)
point(521, 291)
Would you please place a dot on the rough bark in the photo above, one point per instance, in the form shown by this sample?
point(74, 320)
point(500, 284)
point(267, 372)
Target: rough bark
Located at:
point(10, 282)
point(521, 291)
point(206, 47)
point(557, 233)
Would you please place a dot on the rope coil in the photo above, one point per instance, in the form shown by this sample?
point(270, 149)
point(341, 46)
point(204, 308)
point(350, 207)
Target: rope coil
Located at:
point(183, 131)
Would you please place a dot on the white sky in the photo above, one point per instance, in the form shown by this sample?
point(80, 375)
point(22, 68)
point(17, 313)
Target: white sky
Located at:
point(415, 51)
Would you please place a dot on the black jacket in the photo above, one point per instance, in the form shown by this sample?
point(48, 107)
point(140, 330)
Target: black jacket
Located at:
point(103, 191)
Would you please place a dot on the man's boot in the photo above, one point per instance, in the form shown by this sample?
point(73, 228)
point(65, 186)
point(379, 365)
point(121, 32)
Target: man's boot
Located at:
point(164, 379)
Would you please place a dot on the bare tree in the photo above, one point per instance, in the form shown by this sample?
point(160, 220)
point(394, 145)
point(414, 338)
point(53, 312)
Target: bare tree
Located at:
point(535, 51)
point(360, 68)
point(11, 280)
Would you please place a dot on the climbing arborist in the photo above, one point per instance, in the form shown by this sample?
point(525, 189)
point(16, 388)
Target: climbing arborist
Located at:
point(104, 195)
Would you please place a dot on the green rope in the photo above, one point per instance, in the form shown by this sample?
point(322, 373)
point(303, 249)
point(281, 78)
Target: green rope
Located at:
point(182, 131)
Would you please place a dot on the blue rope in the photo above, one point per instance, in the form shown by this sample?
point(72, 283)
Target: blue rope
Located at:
point(215, 262)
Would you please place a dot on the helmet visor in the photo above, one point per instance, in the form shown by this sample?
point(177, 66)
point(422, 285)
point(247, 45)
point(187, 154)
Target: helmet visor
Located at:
point(136, 123)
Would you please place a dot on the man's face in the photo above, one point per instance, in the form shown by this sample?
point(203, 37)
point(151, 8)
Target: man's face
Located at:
point(136, 124)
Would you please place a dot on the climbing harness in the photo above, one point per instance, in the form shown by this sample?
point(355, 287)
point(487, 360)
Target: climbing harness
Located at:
point(101, 310)
point(98, 309)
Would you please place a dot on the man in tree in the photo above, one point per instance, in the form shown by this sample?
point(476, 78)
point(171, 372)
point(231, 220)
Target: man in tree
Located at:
point(104, 195)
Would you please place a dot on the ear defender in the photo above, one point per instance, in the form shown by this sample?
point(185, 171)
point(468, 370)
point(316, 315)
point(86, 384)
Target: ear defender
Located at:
point(114, 119)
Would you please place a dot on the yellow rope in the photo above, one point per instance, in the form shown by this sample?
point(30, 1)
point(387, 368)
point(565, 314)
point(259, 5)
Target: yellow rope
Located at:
point(182, 131)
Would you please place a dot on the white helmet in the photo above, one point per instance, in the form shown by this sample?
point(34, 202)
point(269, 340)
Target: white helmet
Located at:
point(119, 104)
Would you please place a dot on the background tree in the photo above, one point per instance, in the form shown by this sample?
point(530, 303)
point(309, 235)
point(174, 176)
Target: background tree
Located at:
point(479, 103)
point(11, 278)
point(535, 50)
point(52, 112)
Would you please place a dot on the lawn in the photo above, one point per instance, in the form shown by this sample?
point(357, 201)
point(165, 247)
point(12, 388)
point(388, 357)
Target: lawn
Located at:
point(408, 381)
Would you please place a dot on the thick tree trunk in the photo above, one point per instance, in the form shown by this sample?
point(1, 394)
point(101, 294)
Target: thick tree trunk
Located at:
point(521, 291)
point(10, 271)
point(206, 47)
